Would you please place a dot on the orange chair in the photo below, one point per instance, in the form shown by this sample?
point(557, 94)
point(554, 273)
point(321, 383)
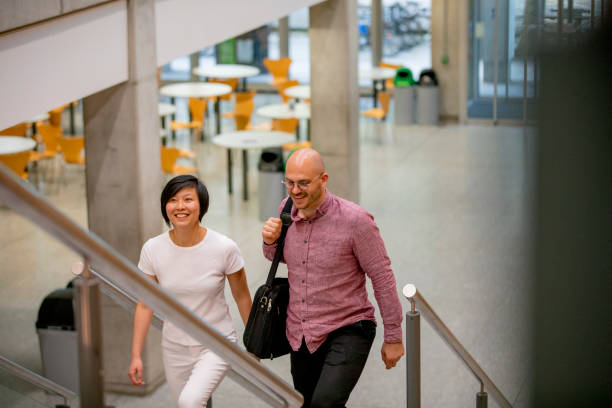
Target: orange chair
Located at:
point(169, 156)
point(49, 136)
point(242, 121)
point(281, 89)
point(278, 68)
point(55, 116)
point(197, 109)
point(71, 148)
point(17, 130)
point(379, 113)
point(17, 162)
point(297, 145)
point(244, 105)
point(233, 82)
point(285, 125)
point(389, 81)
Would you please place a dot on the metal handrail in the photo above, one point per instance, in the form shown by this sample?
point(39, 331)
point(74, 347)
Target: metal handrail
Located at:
point(28, 202)
point(37, 380)
point(125, 300)
point(417, 300)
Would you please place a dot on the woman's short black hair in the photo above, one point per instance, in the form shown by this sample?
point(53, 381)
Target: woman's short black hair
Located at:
point(177, 184)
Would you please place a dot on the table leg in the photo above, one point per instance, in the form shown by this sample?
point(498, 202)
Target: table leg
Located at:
point(229, 170)
point(308, 129)
point(217, 116)
point(375, 93)
point(172, 119)
point(243, 82)
point(72, 127)
point(245, 173)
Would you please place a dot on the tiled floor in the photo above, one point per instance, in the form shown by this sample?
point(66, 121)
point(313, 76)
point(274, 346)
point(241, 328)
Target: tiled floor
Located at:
point(452, 203)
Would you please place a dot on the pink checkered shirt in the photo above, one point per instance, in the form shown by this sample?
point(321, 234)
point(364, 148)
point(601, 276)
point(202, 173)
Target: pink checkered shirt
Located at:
point(328, 258)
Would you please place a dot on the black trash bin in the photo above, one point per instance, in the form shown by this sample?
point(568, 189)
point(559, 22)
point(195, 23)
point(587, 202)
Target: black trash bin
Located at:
point(427, 98)
point(271, 189)
point(58, 338)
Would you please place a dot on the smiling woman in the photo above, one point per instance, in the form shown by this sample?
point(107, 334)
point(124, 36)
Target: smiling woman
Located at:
point(191, 262)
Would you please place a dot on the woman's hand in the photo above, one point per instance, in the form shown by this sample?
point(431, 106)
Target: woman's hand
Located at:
point(135, 371)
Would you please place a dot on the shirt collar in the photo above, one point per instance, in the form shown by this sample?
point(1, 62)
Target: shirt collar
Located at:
point(321, 209)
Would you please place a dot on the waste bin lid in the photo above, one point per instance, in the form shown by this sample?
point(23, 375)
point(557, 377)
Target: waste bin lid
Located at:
point(403, 77)
point(428, 77)
point(271, 160)
point(56, 311)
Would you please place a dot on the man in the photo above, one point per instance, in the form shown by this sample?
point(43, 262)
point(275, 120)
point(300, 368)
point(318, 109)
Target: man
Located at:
point(330, 247)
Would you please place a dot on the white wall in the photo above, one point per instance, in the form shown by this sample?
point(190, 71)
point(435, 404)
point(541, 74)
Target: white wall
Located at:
point(69, 57)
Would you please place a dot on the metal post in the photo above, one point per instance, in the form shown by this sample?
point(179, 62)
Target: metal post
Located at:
point(413, 358)
point(481, 400)
point(283, 36)
point(245, 178)
point(88, 323)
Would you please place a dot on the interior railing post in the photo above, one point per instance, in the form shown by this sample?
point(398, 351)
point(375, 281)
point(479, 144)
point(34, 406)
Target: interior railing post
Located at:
point(413, 357)
point(481, 397)
point(88, 324)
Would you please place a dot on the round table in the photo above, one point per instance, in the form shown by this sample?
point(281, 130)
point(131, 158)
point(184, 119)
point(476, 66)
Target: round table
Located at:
point(15, 144)
point(225, 71)
point(197, 90)
point(165, 109)
point(298, 91)
point(376, 75)
point(249, 139)
point(284, 111)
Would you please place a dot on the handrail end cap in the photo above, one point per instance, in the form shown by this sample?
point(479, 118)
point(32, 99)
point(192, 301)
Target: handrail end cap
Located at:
point(409, 291)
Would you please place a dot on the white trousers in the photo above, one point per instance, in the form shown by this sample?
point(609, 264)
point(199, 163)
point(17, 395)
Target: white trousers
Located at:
point(192, 372)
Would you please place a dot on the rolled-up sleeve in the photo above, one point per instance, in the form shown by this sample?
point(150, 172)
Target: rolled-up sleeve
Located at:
point(370, 251)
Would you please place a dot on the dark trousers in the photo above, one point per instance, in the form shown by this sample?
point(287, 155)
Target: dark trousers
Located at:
point(327, 376)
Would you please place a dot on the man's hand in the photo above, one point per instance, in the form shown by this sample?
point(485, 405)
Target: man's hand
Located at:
point(271, 230)
point(391, 353)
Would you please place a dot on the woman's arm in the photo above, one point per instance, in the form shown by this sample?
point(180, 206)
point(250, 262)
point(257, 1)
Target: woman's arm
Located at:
point(241, 294)
point(142, 322)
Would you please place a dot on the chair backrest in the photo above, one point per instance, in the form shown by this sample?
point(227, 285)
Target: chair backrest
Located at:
point(233, 82)
point(17, 130)
point(384, 98)
point(282, 86)
point(55, 116)
point(17, 162)
point(285, 125)
point(71, 148)
point(242, 121)
point(50, 136)
point(278, 68)
point(197, 109)
point(244, 103)
point(169, 156)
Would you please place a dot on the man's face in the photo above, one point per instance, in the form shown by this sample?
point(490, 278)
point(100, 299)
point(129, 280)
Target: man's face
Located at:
point(305, 187)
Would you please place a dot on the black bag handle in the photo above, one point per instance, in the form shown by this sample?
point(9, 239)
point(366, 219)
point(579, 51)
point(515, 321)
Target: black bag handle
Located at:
point(286, 219)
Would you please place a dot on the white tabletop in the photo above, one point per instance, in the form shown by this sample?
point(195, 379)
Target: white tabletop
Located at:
point(253, 139)
point(224, 71)
point(376, 73)
point(299, 91)
point(39, 118)
point(15, 144)
point(165, 109)
point(195, 90)
point(284, 111)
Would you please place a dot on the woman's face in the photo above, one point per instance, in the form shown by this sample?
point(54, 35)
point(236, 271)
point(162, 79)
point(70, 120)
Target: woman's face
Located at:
point(183, 209)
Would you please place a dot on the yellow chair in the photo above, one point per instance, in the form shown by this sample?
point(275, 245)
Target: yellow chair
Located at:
point(243, 106)
point(285, 125)
point(379, 113)
point(278, 68)
point(197, 109)
point(17, 162)
point(17, 130)
point(169, 156)
point(281, 89)
point(389, 81)
point(233, 82)
point(71, 148)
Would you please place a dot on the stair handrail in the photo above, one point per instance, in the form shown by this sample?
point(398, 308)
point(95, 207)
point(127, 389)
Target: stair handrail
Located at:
point(27, 201)
point(128, 302)
point(37, 380)
point(418, 301)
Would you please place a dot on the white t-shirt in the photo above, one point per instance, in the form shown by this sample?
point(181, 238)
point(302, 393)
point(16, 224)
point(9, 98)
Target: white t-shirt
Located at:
point(196, 277)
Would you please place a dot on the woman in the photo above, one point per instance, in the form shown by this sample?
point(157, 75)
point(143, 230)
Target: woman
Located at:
point(191, 262)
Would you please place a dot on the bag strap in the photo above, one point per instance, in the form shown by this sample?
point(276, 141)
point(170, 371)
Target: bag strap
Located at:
point(286, 219)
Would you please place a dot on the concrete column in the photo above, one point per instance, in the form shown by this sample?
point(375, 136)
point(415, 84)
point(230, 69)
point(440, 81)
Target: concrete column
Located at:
point(334, 93)
point(376, 32)
point(283, 36)
point(124, 180)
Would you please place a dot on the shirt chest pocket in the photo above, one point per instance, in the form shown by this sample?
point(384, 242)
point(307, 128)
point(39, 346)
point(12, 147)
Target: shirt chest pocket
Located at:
point(333, 255)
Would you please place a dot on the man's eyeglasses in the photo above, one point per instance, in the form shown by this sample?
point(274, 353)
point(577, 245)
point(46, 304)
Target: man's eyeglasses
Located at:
point(302, 184)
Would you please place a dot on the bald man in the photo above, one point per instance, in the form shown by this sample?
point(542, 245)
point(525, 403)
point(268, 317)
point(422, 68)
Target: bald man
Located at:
point(330, 247)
